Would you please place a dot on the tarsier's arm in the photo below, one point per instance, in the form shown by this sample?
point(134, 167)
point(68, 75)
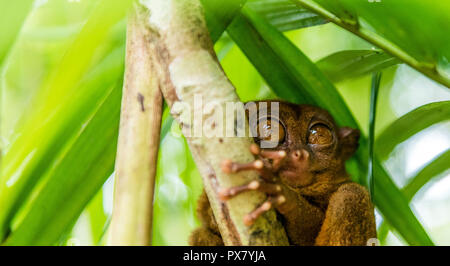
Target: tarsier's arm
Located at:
point(305, 181)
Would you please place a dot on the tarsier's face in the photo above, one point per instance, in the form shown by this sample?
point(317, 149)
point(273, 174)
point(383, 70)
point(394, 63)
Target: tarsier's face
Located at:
point(314, 145)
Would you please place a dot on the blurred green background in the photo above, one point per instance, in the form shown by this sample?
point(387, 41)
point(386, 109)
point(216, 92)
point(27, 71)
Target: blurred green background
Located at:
point(62, 67)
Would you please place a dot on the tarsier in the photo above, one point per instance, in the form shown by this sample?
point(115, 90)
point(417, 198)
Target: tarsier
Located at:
point(305, 180)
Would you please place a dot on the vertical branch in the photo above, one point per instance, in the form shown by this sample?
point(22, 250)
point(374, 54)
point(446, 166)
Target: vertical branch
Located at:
point(137, 150)
point(186, 68)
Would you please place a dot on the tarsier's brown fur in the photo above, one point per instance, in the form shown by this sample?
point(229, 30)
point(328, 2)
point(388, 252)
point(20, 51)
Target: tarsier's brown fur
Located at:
point(317, 201)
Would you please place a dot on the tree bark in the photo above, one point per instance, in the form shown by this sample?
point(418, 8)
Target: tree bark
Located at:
point(184, 66)
point(137, 152)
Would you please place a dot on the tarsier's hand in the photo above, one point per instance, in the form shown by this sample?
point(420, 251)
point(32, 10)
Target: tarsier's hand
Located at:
point(267, 165)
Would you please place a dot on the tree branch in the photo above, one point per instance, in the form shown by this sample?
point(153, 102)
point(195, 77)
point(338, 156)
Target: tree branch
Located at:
point(185, 67)
point(137, 151)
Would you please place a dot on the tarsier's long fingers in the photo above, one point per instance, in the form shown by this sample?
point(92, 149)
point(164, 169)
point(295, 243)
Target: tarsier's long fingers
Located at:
point(277, 157)
point(269, 163)
point(271, 189)
point(230, 167)
point(271, 202)
point(265, 170)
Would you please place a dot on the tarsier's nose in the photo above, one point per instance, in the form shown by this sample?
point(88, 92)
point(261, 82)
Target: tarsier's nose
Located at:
point(300, 154)
point(300, 158)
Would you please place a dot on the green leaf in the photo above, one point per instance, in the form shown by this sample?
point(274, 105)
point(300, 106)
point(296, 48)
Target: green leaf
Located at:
point(410, 124)
point(294, 77)
point(97, 217)
point(394, 207)
point(354, 63)
point(402, 129)
point(403, 35)
point(62, 107)
point(67, 191)
point(12, 17)
point(405, 26)
point(285, 15)
point(346, 14)
point(219, 15)
point(376, 78)
point(76, 161)
point(437, 166)
point(166, 122)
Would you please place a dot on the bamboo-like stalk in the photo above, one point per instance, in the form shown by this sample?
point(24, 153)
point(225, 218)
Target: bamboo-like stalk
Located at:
point(186, 66)
point(426, 68)
point(137, 152)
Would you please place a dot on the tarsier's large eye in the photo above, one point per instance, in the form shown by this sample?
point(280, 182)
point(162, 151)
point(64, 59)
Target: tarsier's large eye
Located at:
point(270, 129)
point(320, 134)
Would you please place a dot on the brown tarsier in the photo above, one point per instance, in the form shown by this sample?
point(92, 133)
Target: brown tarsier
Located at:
point(305, 180)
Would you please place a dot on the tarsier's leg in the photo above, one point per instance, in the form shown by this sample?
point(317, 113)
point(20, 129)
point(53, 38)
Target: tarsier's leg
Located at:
point(302, 221)
point(349, 219)
point(208, 234)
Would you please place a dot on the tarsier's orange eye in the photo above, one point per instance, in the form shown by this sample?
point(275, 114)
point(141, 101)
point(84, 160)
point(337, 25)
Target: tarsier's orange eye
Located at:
point(270, 130)
point(320, 134)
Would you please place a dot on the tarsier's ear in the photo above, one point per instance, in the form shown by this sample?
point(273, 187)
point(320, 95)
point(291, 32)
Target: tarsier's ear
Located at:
point(348, 138)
